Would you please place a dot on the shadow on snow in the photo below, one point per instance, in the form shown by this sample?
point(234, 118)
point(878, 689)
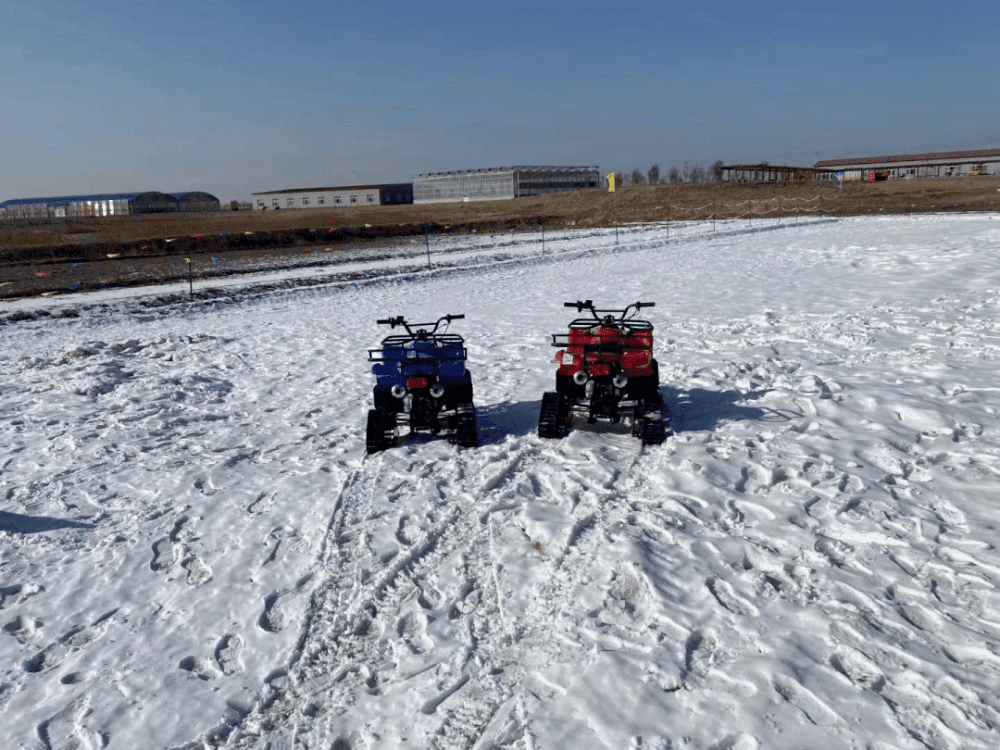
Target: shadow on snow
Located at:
point(699, 409)
point(16, 523)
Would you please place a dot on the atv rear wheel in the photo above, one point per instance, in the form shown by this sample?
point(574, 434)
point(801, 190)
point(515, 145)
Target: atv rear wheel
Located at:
point(652, 425)
point(464, 433)
point(381, 432)
point(553, 420)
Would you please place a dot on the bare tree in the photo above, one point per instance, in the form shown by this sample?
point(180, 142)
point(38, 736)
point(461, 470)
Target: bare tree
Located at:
point(638, 178)
point(674, 175)
point(619, 179)
point(654, 174)
point(698, 174)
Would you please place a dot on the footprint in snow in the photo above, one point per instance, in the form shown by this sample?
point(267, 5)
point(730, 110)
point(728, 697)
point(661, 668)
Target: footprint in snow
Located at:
point(412, 628)
point(198, 573)
point(203, 668)
point(729, 599)
point(738, 741)
point(797, 695)
point(229, 654)
point(68, 728)
point(165, 555)
point(19, 593)
point(24, 628)
point(701, 649)
point(858, 668)
point(276, 614)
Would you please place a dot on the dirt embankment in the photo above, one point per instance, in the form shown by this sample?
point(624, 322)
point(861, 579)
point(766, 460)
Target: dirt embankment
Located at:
point(50, 256)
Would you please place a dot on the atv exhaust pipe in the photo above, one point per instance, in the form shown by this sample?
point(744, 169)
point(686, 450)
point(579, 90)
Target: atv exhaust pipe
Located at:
point(580, 377)
point(620, 380)
point(437, 390)
point(398, 391)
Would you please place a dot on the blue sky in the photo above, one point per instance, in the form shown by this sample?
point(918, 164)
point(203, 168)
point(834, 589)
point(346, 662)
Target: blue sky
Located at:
point(185, 95)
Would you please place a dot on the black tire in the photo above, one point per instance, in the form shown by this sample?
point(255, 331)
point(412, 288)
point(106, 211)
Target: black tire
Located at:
point(653, 423)
point(381, 433)
point(464, 431)
point(553, 420)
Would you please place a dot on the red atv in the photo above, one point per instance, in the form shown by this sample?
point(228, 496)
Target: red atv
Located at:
point(606, 372)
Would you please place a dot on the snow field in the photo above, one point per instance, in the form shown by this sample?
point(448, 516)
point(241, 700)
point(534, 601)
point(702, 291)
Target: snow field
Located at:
point(197, 553)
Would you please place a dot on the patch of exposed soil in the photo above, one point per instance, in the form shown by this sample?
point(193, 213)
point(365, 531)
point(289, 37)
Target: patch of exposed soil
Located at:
point(58, 255)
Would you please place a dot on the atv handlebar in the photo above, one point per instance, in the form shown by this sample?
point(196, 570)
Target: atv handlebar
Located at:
point(424, 328)
point(582, 305)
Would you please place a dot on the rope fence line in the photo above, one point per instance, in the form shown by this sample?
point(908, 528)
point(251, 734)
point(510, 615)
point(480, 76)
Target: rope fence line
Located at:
point(200, 259)
point(745, 209)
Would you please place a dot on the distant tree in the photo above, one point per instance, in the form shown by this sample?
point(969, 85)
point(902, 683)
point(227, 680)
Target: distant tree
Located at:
point(674, 175)
point(619, 179)
point(654, 174)
point(717, 170)
point(637, 177)
point(686, 174)
point(234, 205)
point(698, 174)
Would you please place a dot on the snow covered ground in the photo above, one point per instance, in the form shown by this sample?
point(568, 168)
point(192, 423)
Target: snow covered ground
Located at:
point(196, 553)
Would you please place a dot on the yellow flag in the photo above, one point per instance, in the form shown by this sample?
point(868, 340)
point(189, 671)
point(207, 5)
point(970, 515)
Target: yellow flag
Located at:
point(611, 182)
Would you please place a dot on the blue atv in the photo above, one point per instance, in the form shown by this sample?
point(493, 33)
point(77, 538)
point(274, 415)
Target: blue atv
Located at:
point(421, 381)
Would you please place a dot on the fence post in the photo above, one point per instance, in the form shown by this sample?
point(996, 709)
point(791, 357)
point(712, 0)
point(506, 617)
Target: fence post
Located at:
point(190, 278)
point(427, 243)
point(615, 217)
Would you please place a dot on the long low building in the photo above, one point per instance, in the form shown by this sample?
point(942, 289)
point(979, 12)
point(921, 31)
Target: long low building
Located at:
point(502, 183)
point(107, 204)
point(334, 197)
point(933, 164)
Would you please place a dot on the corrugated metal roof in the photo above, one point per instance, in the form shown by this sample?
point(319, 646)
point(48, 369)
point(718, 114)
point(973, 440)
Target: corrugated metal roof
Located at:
point(522, 167)
point(66, 199)
point(329, 189)
point(977, 154)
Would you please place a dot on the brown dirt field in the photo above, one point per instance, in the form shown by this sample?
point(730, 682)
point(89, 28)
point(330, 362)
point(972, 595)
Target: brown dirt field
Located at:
point(52, 256)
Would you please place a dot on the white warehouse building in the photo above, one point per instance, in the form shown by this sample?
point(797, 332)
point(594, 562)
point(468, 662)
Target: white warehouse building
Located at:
point(334, 197)
point(501, 183)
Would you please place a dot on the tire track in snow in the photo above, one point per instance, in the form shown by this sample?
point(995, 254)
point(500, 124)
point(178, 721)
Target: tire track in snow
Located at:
point(360, 601)
point(492, 711)
point(365, 606)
